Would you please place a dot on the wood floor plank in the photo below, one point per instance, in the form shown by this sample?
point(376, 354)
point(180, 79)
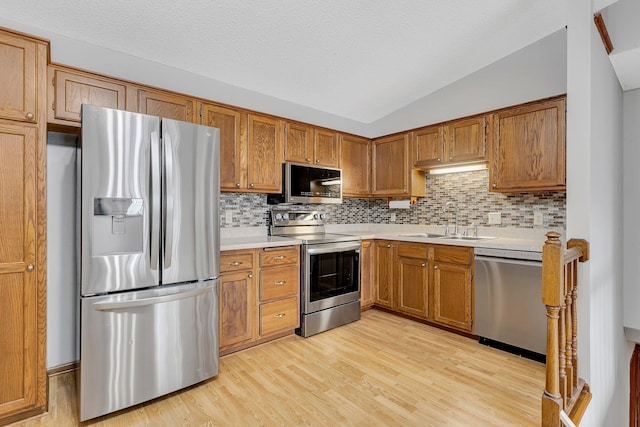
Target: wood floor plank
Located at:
point(382, 370)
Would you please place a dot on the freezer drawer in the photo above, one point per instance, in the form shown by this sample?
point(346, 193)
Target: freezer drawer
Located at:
point(136, 346)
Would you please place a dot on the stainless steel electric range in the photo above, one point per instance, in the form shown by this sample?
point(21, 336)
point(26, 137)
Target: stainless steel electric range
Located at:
point(330, 270)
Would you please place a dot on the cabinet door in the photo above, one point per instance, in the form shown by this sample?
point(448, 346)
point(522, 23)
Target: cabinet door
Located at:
point(390, 157)
point(19, 369)
point(412, 286)
point(232, 151)
point(72, 89)
point(466, 140)
point(264, 168)
point(325, 148)
point(366, 274)
point(528, 151)
point(298, 143)
point(20, 59)
point(452, 295)
point(166, 105)
point(383, 265)
point(237, 308)
point(355, 160)
point(429, 146)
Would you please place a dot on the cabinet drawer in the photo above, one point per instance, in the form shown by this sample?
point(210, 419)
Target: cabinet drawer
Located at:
point(235, 261)
point(279, 256)
point(279, 282)
point(412, 250)
point(453, 254)
point(279, 316)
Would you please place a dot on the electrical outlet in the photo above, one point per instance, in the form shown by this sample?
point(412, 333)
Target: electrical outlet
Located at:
point(495, 218)
point(538, 218)
point(393, 217)
point(228, 217)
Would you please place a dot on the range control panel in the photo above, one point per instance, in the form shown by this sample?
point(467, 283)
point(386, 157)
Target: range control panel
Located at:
point(281, 217)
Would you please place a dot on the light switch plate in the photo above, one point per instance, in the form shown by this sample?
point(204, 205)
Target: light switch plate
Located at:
point(393, 217)
point(228, 217)
point(495, 218)
point(538, 218)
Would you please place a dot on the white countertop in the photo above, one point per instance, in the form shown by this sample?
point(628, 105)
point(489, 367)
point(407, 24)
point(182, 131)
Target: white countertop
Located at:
point(524, 239)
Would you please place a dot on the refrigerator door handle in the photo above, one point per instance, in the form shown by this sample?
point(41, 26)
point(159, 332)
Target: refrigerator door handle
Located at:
point(155, 200)
point(169, 200)
point(119, 305)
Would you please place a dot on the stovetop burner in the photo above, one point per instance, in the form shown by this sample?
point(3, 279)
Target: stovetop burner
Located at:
point(303, 224)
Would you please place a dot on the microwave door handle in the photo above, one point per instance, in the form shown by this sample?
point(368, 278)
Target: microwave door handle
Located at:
point(155, 200)
point(169, 200)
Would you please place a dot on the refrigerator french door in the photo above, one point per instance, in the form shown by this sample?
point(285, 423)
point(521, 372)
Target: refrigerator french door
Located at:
point(149, 258)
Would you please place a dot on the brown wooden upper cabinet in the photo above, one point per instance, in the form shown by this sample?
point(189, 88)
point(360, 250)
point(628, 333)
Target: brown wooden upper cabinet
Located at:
point(393, 174)
point(306, 144)
point(69, 89)
point(528, 152)
point(355, 160)
point(457, 142)
point(21, 60)
point(232, 125)
point(264, 148)
point(167, 105)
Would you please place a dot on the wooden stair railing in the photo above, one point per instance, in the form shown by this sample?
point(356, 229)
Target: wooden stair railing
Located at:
point(564, 390)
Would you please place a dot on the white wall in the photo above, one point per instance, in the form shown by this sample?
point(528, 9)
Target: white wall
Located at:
point(62, 291)
point(631, 220)
point(534, 72)
point(594, 212)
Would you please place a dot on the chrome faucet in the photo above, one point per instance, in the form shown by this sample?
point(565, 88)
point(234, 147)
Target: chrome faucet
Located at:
point(444, 208)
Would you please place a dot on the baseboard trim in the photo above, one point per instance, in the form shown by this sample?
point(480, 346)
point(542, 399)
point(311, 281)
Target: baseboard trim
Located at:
point(63, 369)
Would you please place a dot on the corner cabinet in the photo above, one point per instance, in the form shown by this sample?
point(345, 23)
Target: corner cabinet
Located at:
point(355, 160)
point(23, 87)
point(393, 173)
point(528, 152)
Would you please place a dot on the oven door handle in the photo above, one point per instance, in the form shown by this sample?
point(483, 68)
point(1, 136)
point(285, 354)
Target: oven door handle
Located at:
point(333, 247)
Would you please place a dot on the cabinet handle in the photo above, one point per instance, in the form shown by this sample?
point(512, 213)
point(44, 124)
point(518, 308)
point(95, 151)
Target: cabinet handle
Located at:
point(317, 161)
point(450, 158)
point(494, 185)
point(279, 257)
point(307, 160)
point(279, 315)
point(424, 264)
point(250, 276)
point(280, 283)
point(29, 116)
point(237, 185)
point(30, 267)
point(251, 185)
point(439, 159)
point(435, 267)
point(235, 263)
point(388, 246)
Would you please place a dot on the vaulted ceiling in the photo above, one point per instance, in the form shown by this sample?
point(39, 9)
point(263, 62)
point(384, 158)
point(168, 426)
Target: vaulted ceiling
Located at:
point(358, 59)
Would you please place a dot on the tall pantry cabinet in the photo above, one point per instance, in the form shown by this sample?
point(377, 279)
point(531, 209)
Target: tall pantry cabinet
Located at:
point(23, 121)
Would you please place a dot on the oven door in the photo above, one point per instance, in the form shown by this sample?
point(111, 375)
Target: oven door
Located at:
point(330, 275)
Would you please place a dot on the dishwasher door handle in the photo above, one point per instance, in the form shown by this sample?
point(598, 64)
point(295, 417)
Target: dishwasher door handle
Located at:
point(509, 261)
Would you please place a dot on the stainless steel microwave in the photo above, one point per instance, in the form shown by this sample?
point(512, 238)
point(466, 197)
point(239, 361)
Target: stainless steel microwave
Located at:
point(303, 183)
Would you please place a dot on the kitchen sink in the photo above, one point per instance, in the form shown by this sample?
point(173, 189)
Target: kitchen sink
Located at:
point(466, 238)
point(428, 235)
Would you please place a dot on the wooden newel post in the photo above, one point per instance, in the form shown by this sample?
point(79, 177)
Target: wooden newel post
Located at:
point(552, 294)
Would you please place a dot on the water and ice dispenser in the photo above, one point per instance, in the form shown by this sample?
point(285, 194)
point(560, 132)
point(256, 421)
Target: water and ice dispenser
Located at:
point(118, 226)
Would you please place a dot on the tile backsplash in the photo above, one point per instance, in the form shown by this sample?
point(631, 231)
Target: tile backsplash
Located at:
point(469, 191)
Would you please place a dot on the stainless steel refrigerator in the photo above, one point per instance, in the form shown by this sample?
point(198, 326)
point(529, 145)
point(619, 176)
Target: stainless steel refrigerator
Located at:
point(149, 257)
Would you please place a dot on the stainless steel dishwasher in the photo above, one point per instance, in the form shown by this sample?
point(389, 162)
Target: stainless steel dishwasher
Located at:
point(509, 313)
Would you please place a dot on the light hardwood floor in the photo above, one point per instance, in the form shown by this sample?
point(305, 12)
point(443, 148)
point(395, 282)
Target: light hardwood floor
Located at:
point(383, 370)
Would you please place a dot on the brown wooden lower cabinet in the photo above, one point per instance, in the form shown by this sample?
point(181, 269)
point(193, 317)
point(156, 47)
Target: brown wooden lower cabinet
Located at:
point(366, 274)
point(430, 282)
point(259, 296)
